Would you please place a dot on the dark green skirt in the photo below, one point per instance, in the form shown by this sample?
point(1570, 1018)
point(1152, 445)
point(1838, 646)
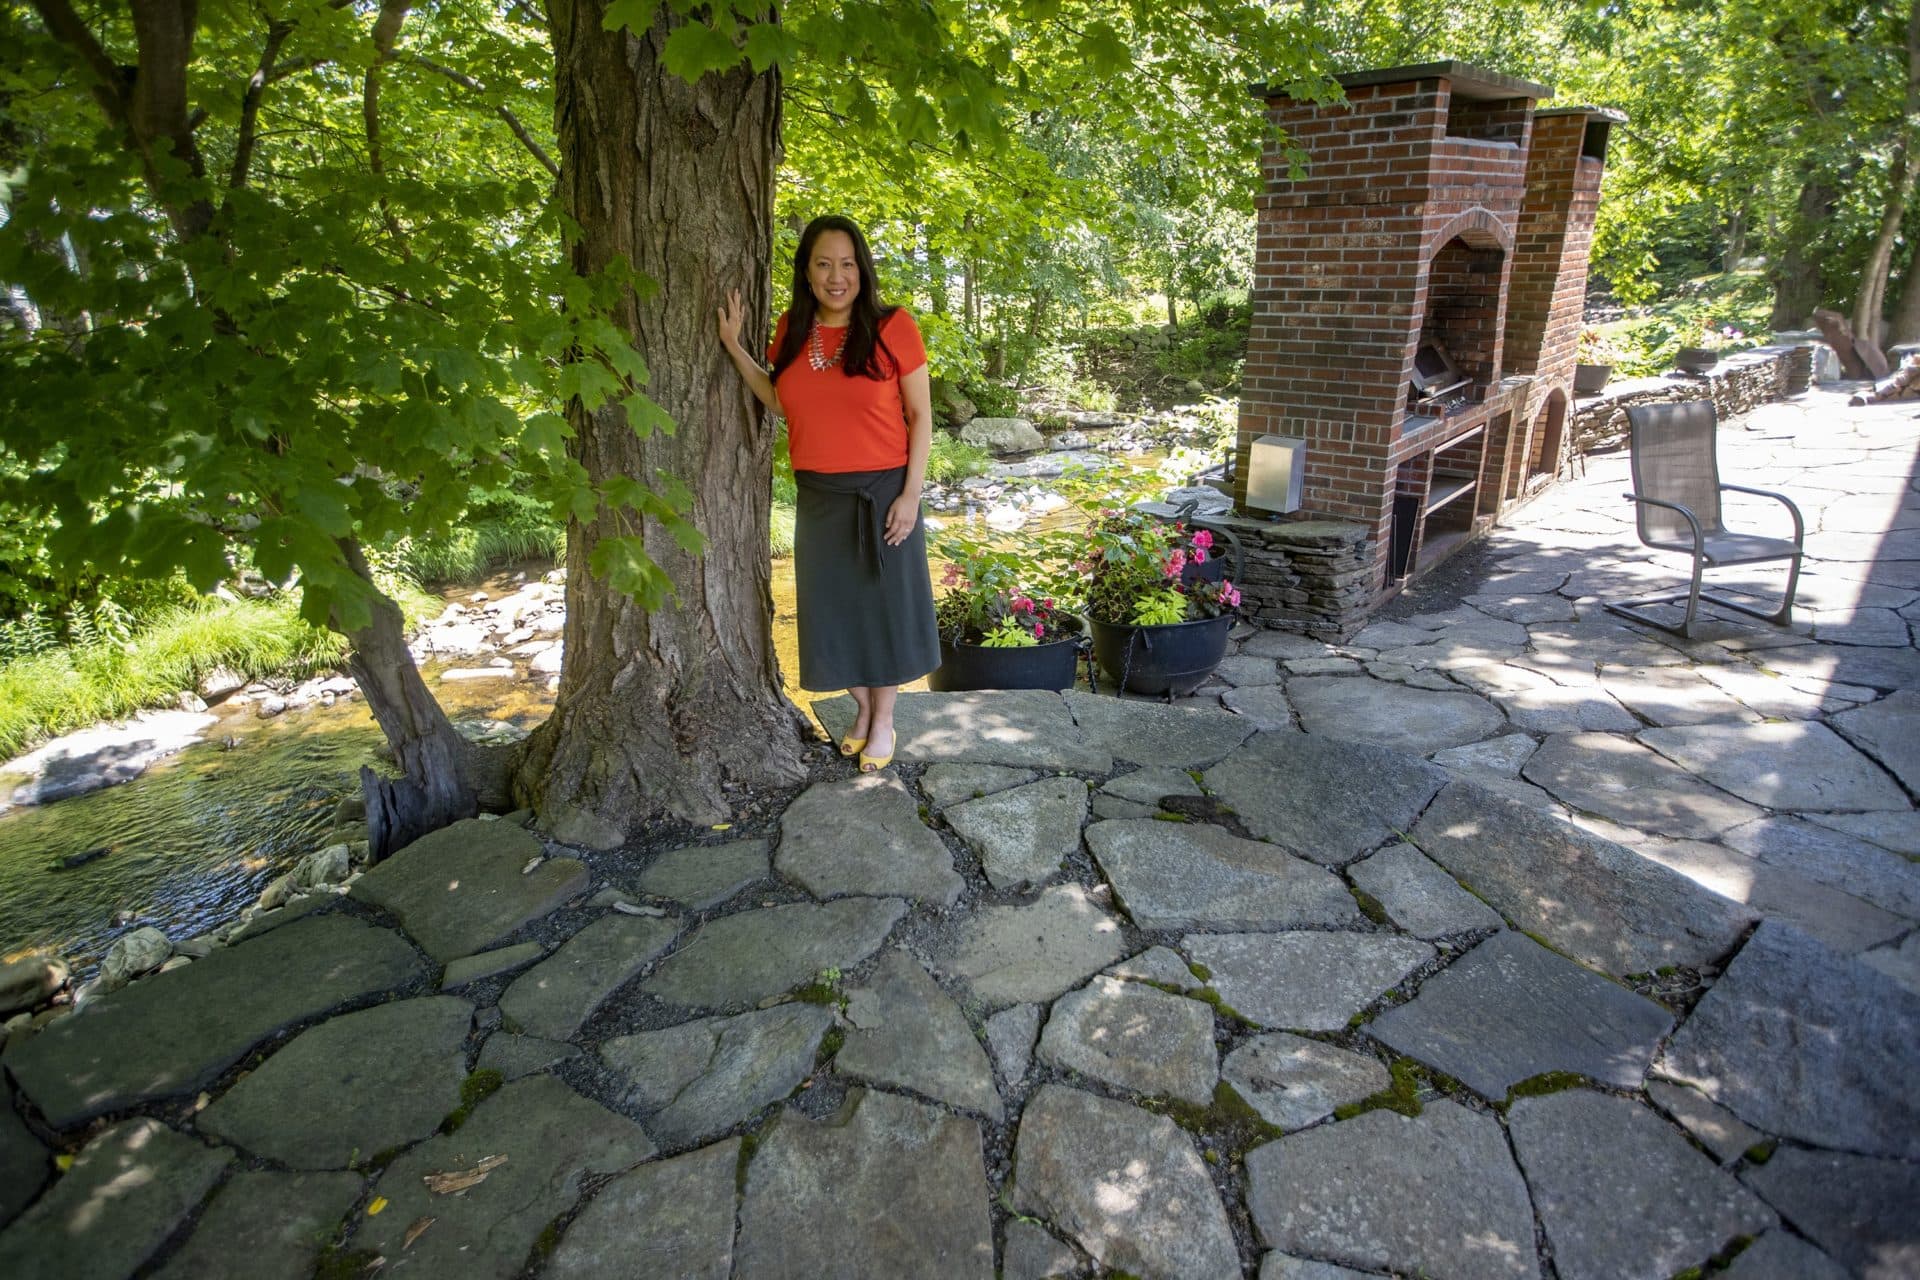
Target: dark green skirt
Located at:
point(865, 609)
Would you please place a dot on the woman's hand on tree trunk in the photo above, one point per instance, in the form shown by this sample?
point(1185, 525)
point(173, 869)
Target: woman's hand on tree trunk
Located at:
point(731, 317)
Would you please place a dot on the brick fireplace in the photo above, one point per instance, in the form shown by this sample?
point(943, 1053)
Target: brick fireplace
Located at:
point(1416, 307)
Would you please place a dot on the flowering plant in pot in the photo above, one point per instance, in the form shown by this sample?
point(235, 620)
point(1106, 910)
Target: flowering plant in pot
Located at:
point(1594, 362)
point(1159, 605)
point(1004, 613)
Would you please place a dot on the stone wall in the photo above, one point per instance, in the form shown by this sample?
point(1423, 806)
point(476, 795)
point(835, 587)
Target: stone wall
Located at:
point(1735, 385)
point(1302, 575)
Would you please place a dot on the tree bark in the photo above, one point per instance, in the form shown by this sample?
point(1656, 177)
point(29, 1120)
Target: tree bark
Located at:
point(1799, 281)
point(1906, 318)
point(667, 712)
point(1871, 300)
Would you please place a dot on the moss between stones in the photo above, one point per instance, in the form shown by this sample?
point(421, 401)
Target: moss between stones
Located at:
point(830, 1043)
point(1207, 995)
point(1403, 1095)
point(547, 1241)
point(473, 1091)
point(1544, 1083)
point(1164, 816)
point(1199, 971)
point(1370, 906)
point(1229, 1119)
point(1760, 1152)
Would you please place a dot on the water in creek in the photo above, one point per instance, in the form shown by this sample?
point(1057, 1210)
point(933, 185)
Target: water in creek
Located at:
point(197, 837)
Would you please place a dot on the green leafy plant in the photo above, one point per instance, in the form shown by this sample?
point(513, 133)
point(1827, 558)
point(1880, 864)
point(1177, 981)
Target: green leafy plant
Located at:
point(1141, 571)
point(994, 594)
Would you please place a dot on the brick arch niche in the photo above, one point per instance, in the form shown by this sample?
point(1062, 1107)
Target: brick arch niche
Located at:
point(1416, 302)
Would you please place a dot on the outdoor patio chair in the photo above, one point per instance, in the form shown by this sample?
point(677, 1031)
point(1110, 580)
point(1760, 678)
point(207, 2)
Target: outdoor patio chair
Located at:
point(1676, 491)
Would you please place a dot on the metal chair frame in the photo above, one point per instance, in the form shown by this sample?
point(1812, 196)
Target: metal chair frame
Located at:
point(1651, 418)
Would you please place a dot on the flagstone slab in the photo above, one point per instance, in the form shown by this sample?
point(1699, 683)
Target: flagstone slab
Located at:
point(1801, 765)
point(1283, 644)
point(1280, 1266)
point(1032, 1253)
point(1183, 875)
point(1510, 1009)
point(887, 1188)
point(1801, 1041)
point(1667, 696)
point(1306, 981)
point(906, 1032)
point(1859, 1209)
point(668, 1218)
point(1524, 609)
point(1712, 1126)
point(463, 888)
point(863, 835)
point(705, 876)
point(1010, 1036)
point(265, 1224)
point(1889, 731)
point(701, 1078)
point(1297, 790)
point(176, 1032)
point(1779, 1256)
point(1538, 702)
point(1019, 728)
point(1152, 784)
point(1772, 696)
point(1023, 834)
point(555, 998)
point(1435, 1195)
point(1160, 966)
point(1149, 733)
point(1613, 776)
point(1590, 898)
point(946, 784)
point(128, 1191)
point(1418, 896)
point(1265, 707)
point(742, 959)
point(1622, 1195)
point(1124, 1184)
point(25, 1163)
point(554, 1141)
point(489, 964)
point(1836, 918)
point(1899, 832)
point(1134, 1037)
point(355, 1085)
point(1834, 859)
point(515, 1056)
point(1033, 951)
point(1294, 1082)
point(1392, 715)
point(1246, 671)
point(1885, 669)
point(1501, 756)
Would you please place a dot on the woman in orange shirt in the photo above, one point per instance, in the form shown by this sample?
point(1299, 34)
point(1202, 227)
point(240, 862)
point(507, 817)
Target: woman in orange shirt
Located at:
point(850, 374)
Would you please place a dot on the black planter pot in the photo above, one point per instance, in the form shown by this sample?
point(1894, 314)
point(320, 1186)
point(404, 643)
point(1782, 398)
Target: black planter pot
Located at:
point(977, 666)
point(1696, 359)
point(1588, 379)
point(1173, 659)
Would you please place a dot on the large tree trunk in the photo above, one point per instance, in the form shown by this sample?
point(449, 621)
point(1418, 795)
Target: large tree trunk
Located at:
point(1906, 318)
point(1870, 302)
point(666, 712)
point(1799, 282)
point(442, 775)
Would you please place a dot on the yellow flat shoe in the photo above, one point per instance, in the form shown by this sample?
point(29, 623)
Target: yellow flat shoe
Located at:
point(851, 746)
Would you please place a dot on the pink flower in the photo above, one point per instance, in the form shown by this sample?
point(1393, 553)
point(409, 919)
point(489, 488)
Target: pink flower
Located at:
point(1175, 563)
point(1021, 604)
point(1047, 603)
point(1039, 630)
point(951, 576)
point(1203, 539)
point(1199, 555)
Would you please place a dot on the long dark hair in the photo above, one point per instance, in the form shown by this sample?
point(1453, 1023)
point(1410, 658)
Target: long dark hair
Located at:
point(859, 357)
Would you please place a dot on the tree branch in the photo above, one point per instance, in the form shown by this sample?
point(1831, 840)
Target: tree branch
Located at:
point(277, 33)
point(110, 79)
point(386, 29)
point(294, 66)
point(513, 121)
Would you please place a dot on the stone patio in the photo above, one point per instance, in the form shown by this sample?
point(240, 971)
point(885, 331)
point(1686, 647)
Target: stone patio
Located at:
point(1506, 940)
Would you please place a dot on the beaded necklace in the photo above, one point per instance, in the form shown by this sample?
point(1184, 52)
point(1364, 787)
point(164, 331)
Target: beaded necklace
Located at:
point(816, 352)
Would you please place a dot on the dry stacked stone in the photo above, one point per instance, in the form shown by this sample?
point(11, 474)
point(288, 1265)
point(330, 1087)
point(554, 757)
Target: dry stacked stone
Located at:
point(1303, 575)
point(1735, 385)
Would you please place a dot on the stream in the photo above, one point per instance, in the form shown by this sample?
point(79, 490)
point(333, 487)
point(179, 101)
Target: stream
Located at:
point(198, 835)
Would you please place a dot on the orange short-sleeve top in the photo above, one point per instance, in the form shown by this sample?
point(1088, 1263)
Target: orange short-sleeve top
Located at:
point(841, 423)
